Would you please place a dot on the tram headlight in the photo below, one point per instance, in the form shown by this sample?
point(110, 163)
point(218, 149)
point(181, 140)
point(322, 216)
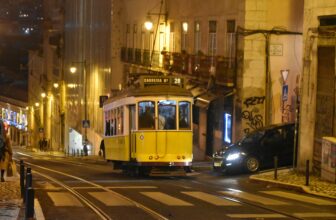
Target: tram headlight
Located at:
point(183, 157)
point(150, 157)
point(178, 157)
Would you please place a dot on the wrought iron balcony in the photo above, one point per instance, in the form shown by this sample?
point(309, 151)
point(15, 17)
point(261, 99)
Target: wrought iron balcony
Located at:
point(196, 66)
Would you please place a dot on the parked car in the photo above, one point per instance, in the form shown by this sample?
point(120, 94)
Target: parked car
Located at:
point(257, 150)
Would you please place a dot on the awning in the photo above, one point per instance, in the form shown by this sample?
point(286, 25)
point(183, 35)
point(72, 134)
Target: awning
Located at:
point(204, 100)
point(204, 97)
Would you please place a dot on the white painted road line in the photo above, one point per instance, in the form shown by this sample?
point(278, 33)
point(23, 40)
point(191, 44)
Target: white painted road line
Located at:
point(254, 198)
point(132, 187)
point(166, 199)
point(301, 198)
point(64, 199)
point(315, 215)
point(255, 216)
point(110, 199)
point(38, 210)
point(215, 200)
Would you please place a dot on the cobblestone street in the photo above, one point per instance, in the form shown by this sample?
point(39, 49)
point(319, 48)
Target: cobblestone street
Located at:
point(10, 201)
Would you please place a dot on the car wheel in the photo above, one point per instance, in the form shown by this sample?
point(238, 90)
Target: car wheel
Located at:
point(252, 164)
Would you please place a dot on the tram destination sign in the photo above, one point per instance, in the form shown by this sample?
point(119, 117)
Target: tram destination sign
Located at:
point(156, 80)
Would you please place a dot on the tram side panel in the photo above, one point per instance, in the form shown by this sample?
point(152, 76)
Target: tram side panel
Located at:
point(163, 147)
point(116, 148)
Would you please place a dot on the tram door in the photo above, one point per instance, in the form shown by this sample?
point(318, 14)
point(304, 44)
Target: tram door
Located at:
point(132, 135)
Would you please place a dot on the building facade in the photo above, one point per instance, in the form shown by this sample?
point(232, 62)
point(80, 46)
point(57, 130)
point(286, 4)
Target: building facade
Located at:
point(318, 81)
point(14, 114)
point(242, 62)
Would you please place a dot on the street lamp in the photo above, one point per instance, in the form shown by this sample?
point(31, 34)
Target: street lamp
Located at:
point(85, 122)
point(149, 24)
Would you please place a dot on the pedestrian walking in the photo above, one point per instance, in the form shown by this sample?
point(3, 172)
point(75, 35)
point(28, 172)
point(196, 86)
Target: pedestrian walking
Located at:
point(5, 151)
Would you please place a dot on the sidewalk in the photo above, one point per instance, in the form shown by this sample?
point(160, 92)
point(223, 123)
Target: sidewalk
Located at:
point(10, 198)
point(289, 178)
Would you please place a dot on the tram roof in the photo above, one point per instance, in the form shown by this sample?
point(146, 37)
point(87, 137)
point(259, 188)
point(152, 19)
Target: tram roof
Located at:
point(155, 90)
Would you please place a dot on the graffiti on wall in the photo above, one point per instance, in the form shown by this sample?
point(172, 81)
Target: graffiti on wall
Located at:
point(252, 115)
point(254, 119)
point(255, 100)
point(286, 113)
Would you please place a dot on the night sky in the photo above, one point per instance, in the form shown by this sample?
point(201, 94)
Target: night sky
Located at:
point(20, 31)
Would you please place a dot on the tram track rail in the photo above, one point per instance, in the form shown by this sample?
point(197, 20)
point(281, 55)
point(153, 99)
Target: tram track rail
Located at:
point(100, 213)
point(243, 202)
point(146, 209)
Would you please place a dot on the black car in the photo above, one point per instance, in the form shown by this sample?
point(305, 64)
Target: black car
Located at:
point(257, 150)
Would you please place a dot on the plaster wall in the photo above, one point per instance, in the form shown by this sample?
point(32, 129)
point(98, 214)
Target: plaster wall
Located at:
point(267, 15)
point(312, 9)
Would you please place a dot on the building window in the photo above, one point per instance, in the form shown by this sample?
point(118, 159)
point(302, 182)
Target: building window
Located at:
point(184, 32)
point(162, 42)
point(128, 40)
point(231, 41)
point(212, 47)
point(231, 26)
point(197, 36)
point(143, 37)
point(135, 30)
point(172, 37)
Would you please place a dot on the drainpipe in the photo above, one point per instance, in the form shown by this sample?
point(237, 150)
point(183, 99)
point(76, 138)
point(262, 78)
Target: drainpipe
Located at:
point(268, 83)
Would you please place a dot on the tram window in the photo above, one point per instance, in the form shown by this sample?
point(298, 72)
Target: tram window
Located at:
point(146, 112)
point(112, 122)
point(184, 115)
point(120, 120)
point(167, 115)
point(107, 124)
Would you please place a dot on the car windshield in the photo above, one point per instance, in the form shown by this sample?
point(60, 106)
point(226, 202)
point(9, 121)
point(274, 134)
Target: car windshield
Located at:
point(250, 138)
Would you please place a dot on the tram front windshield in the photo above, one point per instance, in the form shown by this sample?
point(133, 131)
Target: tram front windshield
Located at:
point(167, 115)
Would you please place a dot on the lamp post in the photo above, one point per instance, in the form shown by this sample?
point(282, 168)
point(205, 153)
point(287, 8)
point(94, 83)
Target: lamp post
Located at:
point(85, 122)
point(149, 25)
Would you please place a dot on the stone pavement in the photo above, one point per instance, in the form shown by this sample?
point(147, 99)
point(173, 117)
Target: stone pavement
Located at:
point(10, 198)
point(289, 178)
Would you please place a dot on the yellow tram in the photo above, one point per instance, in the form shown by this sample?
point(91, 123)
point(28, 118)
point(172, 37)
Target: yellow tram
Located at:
point(148, 128)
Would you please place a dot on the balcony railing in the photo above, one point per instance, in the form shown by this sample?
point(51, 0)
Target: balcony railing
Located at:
point(196, 66)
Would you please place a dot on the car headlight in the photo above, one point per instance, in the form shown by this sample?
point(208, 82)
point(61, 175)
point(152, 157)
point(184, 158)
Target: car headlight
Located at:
point(233, 156)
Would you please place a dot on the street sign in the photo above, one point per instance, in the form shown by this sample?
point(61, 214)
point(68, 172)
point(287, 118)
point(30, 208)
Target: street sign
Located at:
point(86, 123)
point(284, 92)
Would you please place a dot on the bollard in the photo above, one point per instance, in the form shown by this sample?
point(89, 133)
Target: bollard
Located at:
point(28, 182)
point(275, 167)
point(307, 173)
point(29, 211)
point(22, 173)
point(81, 153)
point(77, 152)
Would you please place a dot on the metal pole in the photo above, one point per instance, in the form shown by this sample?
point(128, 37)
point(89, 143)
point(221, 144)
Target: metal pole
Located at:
point(275, 167)
point(307, 173)
point(85, 107)
point(29, 212)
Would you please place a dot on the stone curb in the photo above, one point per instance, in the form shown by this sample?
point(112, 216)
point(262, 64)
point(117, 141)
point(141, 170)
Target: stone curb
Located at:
point(300, 188)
